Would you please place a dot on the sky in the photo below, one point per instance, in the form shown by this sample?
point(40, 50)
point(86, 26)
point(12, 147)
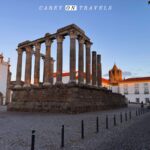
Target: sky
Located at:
point(121, 35)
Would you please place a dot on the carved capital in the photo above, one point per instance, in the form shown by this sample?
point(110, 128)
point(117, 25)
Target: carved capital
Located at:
point(60, 38)
point(81, 40)
point(48, 42)
point(37, 46)
point(20, 51)
point(73, 34)
point(28, 49)
point(88, 44)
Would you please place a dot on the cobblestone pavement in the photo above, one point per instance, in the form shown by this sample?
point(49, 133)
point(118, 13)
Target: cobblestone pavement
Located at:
point(15, 130)
point(135, 137)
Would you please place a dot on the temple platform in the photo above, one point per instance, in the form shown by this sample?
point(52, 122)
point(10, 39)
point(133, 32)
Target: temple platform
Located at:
point(65, 98)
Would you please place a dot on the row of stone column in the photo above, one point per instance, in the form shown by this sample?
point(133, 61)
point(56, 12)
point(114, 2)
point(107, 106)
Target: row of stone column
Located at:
point(48, 73)
point(96, 69)
point(28, 66)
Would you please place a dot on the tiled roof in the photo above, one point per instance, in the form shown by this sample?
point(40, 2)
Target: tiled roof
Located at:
point(138, 79)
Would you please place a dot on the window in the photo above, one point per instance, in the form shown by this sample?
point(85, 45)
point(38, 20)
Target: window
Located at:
point(137, 100)
point(136, 88)
point(146, 90)
point(147, 100)
point(125, 89)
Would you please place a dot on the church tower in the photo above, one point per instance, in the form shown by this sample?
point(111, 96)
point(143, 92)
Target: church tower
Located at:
point(115, 75)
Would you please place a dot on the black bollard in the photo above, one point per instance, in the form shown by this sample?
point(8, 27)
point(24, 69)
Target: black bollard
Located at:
point(130, 115)
point(126, 118)
point(97, 124)
point(139, 112)
point(106, 122)
point(121, 117)
point(136, 112)
point(115, 120)
point(33, 140)
point(82, 129)
point(62, 136)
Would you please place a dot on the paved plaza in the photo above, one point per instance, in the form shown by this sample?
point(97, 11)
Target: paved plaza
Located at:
point(16, 127)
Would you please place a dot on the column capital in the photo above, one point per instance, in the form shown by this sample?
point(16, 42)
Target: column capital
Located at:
point(37, 45)
point(81, 40)
point(28, 49)
point(48, 42)
point(59, 38)
point(73, 34)
point(88, 44)
point(19, 50)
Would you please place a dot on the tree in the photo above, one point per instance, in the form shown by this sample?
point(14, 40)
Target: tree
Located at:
point(149, 2)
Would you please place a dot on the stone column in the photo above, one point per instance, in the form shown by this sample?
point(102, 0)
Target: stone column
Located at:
point(88, 62)
point(73, 56)
point(99, 71)
point(52, 71)
point(37, 64)
point(94, 68)
point(28, 66)
point(81, 61)
point(47, 63)
point(19, 68)
point(59, 59)
point(43, 58)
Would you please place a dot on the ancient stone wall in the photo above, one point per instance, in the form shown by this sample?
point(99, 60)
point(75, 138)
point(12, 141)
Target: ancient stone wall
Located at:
point(65, 98)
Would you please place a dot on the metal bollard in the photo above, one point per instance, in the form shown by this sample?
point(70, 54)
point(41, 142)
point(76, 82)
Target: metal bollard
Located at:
point(139, 112)
point(126, 118)
point(82, 129)
point(130, 115)
point(106, 122)
point(115, 120)
point(62, 136)
point(97, 124)
point(136, 112)
point(121, 117)
point(33, 140)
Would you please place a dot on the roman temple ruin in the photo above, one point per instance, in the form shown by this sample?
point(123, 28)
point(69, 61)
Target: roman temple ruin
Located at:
point(86, 94)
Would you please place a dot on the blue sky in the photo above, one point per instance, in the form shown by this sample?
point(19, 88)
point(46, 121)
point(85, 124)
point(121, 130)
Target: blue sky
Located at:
point(121, 35)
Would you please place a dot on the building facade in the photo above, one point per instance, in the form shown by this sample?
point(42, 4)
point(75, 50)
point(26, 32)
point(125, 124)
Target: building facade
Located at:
point(5, 77)
point(135, 89)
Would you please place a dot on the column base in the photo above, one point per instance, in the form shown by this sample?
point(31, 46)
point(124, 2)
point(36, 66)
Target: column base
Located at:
point(17, 86)
point(72, 82)
point(26, 85)
point(36, 85)
point(81, 83)
point(58, 83)
point(46, 84)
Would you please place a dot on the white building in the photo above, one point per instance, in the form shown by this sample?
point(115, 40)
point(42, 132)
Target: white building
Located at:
point(4, 79)
point(135, 89)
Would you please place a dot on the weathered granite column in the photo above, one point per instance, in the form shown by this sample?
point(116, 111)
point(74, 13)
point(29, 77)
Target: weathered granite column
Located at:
point(81, 60)
point(99, 71)
point(19, 68)
point(94, 68)
point(37, 64)
point(88, 62)
point(51, 70)
point(28, 66)
point(47, 62)
point(43, 58)
point(73, 56)
point(59, 59)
